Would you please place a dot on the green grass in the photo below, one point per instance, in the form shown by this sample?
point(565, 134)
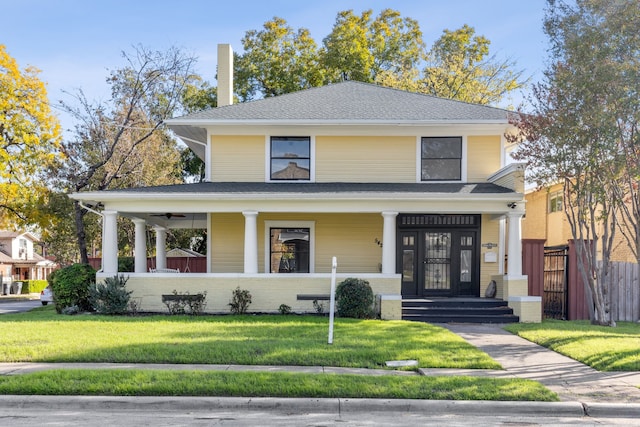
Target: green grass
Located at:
point(43, 336)
point(269, 384)
point(601, 347)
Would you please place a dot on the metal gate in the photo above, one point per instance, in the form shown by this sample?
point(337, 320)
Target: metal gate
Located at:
point(556, 279)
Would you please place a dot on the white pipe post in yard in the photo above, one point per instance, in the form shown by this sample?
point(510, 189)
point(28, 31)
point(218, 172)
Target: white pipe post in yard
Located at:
point(332, 298)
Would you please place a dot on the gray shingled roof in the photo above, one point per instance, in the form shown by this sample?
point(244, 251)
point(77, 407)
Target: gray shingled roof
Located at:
point(311, 188)
point(350, 101)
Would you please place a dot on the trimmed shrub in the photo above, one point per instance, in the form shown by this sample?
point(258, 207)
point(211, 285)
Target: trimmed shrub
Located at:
point(354, 298)
point(177, 302)
point(318, 306)
point(240, 300)
point(110, 296)
point(284, 309)
point(33, 286)
point(71, 286)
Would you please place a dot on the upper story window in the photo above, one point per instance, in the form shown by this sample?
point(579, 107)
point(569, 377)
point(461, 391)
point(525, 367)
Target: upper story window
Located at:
point(441, 158)
point(290, 158)
point(22, 248)
point(555, 202)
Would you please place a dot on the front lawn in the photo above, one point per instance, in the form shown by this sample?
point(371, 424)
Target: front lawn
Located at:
point(601, 347)
point(269, 384)
point(41, 335)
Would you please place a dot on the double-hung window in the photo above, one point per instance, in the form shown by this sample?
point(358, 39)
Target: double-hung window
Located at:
point(290, 158)
point(555, 202)
point(441, 158)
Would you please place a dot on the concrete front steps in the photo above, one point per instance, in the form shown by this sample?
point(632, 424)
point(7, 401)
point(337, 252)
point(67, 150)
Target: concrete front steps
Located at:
point(458, 310)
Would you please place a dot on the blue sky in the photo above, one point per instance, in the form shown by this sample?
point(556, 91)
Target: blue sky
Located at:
point(75, 42)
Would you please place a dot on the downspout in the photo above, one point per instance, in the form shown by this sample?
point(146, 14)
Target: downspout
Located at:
point(97, 213)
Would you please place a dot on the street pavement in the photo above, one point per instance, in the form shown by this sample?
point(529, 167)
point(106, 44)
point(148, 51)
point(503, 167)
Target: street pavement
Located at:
point(18, 305)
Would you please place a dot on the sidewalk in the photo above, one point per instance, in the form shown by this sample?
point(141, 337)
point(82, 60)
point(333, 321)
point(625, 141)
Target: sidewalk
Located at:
point(570, 379)
point(582, 390)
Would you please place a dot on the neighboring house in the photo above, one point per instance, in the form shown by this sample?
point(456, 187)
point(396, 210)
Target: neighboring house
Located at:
point(18, 260)
point(409, 192)
point(546, 220)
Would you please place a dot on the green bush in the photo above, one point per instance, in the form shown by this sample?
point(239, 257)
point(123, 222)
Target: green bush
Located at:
point(177, 302)
point(240, 301)
point(110, 296)
point(126, 264)
point(354, 298)
point(71, 286)
point(284, 309)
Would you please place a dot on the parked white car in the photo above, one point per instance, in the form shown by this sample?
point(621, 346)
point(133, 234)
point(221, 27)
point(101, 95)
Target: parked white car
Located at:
point(46, 296)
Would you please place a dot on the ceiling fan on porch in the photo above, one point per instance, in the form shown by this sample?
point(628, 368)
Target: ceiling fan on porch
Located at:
point(169, 215)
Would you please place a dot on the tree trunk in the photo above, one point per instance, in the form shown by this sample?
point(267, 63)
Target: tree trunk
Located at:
point(80, 233)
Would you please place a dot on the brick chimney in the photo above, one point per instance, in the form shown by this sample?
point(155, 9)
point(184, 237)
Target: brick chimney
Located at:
point(225, 75)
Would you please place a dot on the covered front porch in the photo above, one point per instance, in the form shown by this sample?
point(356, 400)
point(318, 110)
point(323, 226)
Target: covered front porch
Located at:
point(279, 245)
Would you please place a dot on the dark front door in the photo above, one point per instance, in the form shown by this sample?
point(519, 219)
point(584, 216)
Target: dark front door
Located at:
point(439, 262)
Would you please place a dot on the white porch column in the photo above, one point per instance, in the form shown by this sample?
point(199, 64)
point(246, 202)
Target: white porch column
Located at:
point(389, 243)
point(110, 242)
point(209, 243)
point(140, 248)
point(161, 243)
point(514, 245)
point(250, 242)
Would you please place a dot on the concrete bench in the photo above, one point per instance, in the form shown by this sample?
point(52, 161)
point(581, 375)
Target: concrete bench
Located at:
point(313, 297)
point(164, 270)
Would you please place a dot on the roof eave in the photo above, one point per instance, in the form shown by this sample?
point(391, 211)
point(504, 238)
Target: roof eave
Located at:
point(114, 196)
point(291, 122)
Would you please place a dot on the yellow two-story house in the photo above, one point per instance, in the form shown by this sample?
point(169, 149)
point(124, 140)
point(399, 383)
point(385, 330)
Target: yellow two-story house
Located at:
point(407, 191)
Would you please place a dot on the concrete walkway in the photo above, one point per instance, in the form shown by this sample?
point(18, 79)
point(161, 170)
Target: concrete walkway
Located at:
point(583, 390)
point(572, 380)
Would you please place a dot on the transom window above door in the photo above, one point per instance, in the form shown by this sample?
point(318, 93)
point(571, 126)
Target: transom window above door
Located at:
point(290, 158)
point(441, 158)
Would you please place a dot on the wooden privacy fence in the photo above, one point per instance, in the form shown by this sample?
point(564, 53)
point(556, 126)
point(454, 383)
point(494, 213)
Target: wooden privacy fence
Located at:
point(625, 291)
point(554, 276)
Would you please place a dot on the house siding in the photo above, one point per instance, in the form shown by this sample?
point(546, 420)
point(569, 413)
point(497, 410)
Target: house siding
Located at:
point(483, 157)
point(349, 237)
point(237, 158)
point(489, 233)
point(347, 158)
point(365, 159)
point(227, 243)
point(534, 224)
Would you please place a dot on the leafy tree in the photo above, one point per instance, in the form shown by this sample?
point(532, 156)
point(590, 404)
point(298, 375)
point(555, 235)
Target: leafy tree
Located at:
point(359, 48)
point(198, 95)
point(387, 49)
point(277, 60)
point(461, 67)
point(59, 232)
point(121, 143)
point(29, 141)
point(583, 130)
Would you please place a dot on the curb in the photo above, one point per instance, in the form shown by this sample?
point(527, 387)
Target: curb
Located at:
point(612, 410)
point(310, 405)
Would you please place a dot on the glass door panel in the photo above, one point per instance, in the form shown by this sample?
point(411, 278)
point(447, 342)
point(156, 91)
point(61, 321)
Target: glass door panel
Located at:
point(407, 263)
point(437, 261)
